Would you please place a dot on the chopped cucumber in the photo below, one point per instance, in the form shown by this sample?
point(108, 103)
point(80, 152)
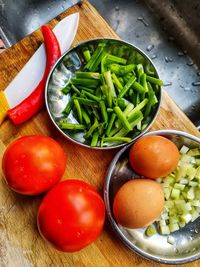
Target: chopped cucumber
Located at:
point(164, 230)
point(182, 193)
point(150, 231)
point(184, 149)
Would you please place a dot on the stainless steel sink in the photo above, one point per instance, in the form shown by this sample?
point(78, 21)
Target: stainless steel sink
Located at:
point(20, 18)
point(133, 21)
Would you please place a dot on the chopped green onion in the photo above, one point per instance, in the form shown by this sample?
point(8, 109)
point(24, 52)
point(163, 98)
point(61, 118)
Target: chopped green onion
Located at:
point(71, 126)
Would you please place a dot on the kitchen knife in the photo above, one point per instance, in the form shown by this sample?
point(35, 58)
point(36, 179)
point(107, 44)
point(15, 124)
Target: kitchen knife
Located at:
point(30, 75)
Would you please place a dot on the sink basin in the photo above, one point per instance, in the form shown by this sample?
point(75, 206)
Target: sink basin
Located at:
point(136, 23)
point(22, 17)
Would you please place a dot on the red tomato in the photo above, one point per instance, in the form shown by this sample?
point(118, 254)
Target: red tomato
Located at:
point(33, 164)
point(154, 156)
point(71, 215)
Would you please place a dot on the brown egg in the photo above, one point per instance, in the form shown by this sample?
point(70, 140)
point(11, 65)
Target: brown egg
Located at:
point(138, 203)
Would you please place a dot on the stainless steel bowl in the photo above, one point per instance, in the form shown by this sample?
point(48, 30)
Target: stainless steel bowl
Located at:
point(60, 76)
point(187, 240)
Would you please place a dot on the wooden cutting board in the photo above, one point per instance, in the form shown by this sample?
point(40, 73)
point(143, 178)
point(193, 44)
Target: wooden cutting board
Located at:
point(20, 242)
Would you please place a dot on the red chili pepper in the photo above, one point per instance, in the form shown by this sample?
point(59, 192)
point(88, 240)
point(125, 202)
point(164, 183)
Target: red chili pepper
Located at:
point(35, 101)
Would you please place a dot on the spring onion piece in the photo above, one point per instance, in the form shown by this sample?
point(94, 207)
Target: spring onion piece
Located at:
point(86, 118)
point(78, 109)
point(85, 101)
point(85, 82)
point(91, 96)
point(139, 87)
point(122, 70)
point(137, 108)
point(86, 54)
point(71, 126)
point(117, 82)
point(122, 118)
point(75, 89)
point(110, 124)
point(103, 111)
point(127, 86)
point(117, 138)
point(88, 75)
point(154, 80)
point(92, 129)
point(94, 139)
point(127, 110)
point(69, 106)
point(97, 53)
point(109, 82)
point(120, 60)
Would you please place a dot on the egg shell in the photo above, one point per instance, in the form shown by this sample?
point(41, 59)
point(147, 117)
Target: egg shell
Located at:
point(154, 156)
point(138, 203)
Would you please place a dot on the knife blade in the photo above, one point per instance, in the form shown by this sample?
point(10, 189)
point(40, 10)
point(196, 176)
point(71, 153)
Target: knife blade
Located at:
point(30, 75)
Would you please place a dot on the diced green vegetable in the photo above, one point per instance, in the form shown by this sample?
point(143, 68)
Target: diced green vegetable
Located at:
point(150, 231)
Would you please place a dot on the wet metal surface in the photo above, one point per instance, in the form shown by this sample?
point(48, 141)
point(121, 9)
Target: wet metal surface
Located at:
point(134, 22)
point(22, 17)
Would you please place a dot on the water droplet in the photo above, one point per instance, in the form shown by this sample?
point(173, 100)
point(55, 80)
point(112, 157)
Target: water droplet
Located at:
point(168, 59)
point(180, 54)
point(150, 47)
point(196, 83)
point(153, 56)
point(167, 83)
point(146, 24)
point(63, 7)
point(186, 88)
point(190, 62)
point(196, 231)
point(193, 107)
point(117, 8)
point(198, 73)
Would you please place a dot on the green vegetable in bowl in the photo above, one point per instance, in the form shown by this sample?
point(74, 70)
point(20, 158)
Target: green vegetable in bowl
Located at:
point(182, 193)
point(112, 97)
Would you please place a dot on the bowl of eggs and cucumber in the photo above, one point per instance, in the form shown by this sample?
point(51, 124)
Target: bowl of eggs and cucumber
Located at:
point(152, 196)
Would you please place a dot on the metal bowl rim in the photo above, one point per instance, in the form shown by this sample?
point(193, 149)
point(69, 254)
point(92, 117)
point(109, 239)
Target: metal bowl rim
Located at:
point(115, 226)
point(60, 59)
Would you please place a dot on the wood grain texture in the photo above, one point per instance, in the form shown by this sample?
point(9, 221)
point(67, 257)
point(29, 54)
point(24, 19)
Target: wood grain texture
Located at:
point(20, 242)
